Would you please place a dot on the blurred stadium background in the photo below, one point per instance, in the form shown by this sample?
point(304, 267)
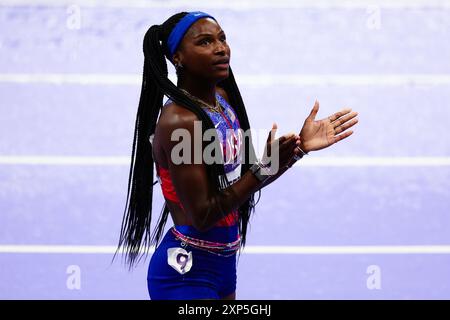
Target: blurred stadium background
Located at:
point(367, 218)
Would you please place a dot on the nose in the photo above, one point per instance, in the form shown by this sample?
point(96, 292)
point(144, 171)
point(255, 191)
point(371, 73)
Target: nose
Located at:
point(220, 48)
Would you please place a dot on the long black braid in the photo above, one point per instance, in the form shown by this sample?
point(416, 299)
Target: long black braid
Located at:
point(136, 225)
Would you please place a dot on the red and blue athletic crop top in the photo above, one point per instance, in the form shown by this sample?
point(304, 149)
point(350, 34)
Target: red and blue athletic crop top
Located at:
point(227, 126)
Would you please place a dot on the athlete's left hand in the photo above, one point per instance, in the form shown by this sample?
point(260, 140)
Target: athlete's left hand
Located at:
point(319, 134)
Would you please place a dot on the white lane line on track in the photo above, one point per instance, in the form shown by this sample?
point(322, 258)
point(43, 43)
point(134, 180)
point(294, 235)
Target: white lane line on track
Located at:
point(305, 162)
point(385, 249)
point(262, 80)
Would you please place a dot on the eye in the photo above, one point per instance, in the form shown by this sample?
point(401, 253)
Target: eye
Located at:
point(205, 41)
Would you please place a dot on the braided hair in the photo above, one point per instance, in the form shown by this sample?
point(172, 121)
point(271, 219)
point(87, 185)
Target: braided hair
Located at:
point(136, 224)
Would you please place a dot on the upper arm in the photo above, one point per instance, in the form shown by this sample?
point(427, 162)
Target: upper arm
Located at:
point(188, 178)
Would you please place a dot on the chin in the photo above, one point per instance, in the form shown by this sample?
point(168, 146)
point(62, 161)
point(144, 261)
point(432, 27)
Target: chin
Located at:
point(222, 75)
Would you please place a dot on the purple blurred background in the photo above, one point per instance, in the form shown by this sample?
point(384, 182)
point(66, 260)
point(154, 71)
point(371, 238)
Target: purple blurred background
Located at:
point(367, 218)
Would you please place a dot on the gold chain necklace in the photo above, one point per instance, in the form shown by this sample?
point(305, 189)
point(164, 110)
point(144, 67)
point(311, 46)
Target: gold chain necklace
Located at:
point(216, 108)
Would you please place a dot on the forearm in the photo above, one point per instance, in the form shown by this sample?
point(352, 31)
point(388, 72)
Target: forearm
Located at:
point(219, 204)
point(231, 198)
point(234, 196)
point(280, 172)
point(274, 177)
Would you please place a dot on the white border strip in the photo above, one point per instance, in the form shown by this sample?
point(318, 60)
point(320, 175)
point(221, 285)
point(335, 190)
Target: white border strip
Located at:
point(65, 160)
point(387, 249)
point(72, 78)
point(237, 5)
point(373, 162)
point(262, 80)
point(305, 162)
point(344, 80)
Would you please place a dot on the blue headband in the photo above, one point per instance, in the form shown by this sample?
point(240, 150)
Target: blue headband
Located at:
point(181, 27)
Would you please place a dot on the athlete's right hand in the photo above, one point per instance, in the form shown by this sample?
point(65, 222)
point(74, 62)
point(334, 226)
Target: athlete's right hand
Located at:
point(279, 152)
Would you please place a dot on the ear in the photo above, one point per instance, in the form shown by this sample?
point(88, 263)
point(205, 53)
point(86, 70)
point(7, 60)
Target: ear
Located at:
point(177, 58)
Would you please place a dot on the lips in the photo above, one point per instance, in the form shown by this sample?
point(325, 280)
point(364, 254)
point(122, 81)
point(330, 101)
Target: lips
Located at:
point(222, 66)
point(222, 62)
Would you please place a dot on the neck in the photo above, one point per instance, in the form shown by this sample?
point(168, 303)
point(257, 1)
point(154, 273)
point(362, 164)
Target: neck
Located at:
point(204, 90)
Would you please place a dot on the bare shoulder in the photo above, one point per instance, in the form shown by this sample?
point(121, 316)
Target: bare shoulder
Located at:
point(175, 116)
